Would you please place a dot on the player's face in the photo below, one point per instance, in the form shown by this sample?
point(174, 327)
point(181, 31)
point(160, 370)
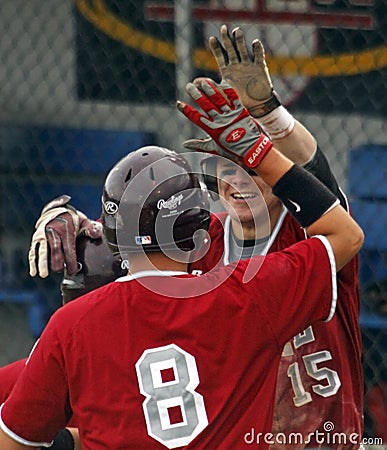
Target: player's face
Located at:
point(239, 194)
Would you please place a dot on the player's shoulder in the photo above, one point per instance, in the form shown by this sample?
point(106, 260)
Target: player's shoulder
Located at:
point(291, 232)
point(217, 222)
point(88, 304)
point(218, 218)
point(308, 249)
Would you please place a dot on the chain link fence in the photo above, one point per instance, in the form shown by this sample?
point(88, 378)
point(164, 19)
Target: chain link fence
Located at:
point(83, 82)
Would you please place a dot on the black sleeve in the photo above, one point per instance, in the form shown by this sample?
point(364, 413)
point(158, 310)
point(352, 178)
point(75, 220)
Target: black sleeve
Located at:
point(319, 167)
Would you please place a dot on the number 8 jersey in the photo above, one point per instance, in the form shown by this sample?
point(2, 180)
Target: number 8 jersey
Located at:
point(169, 360)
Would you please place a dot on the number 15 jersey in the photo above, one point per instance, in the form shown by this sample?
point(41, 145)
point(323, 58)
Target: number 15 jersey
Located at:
point(320, 382)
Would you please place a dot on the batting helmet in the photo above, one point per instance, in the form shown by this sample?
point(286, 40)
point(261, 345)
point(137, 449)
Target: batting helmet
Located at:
point(208, 165)
point(97, 267)
point(152, 200)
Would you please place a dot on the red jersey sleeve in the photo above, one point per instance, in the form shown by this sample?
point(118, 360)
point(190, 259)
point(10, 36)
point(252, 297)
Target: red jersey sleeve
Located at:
point(40, 399)
point(8, 376)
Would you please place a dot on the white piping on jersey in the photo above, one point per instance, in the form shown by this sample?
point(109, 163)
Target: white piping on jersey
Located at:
point(337, 202)
point(150, 273)
point(345, 198)
point(227, 231)
point(332, 261)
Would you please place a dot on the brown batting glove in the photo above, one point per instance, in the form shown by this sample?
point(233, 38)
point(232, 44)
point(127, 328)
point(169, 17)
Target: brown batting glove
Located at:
point(246, 72)
point(54, 239)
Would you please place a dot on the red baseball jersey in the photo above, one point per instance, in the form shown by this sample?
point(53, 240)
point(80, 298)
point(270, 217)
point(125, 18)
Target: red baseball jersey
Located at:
point(168, 360)
point(320, 382)
point(8, 377)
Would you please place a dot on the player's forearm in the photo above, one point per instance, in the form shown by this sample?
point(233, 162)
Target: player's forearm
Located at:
point(299, 145)
point(319, 167)
point(7, 443)
point(77, 440)
point(288, 135)
point(294, 141)
point(343, 233)
point(273, 166)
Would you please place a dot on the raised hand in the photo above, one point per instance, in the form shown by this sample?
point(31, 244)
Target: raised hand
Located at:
point(205, 145)
point(245, 71)
point(226, 121)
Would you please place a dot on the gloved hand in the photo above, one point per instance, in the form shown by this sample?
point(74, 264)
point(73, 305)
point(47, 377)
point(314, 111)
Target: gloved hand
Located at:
point(54, 239)
point(205, 145)
point(247, 73)
point(226, 121)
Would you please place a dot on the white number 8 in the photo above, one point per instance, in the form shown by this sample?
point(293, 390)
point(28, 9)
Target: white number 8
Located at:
point(167, 377)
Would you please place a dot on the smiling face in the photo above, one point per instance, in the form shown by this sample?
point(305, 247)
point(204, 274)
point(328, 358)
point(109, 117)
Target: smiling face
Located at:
point(246, 198)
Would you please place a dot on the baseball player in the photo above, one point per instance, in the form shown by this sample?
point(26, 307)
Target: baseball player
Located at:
point(340, 402)
point(61, 230)
point(320, 381)
point(97, 266)
point(193, 365)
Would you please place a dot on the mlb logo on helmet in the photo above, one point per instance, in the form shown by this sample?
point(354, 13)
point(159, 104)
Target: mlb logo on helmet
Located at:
point(143, 240)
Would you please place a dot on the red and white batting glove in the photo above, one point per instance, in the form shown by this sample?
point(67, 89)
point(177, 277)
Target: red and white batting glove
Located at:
point(226, 121)
point(54, 239)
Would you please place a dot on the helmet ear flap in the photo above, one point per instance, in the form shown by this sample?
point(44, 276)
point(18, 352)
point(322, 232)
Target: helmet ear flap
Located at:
point(208, 166)
point(97, 267)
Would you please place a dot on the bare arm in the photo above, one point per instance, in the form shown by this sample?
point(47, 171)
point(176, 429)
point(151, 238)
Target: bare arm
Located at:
point(6, 443)
point(77, 440)
point(299, 145)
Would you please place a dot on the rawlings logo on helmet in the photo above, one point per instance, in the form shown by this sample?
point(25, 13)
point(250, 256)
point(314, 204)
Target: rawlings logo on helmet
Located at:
point(171, 203)
point(110, 207)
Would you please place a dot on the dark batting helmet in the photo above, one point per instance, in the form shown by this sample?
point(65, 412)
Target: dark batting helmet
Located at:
point(153, 201)
point(97, 266)
point(208, 166)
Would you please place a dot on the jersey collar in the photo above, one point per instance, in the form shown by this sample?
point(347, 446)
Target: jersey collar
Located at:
point(150, 273)
point(227, 231)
